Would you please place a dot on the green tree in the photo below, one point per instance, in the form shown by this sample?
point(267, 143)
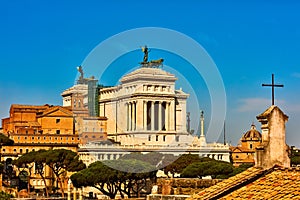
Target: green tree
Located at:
point(134, 175)
point(5, 196)
point(4, 140)
point(295, 156)
point(182, 162)
point(26, 163)
point(99, 176)
point(209, 168)
point(154, 158)
point(295, 160)
point(60, 161)
point(112, 176)
point(31, 159)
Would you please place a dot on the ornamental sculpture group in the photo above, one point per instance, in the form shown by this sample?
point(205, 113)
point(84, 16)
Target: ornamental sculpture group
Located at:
point(151, 63)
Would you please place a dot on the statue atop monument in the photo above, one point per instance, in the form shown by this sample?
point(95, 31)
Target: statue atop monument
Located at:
point(81, 79)
point(80, 70)
point(145, 50)
point(151, 63)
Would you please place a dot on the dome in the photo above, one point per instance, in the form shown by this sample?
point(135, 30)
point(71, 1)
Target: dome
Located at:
point(252, 134)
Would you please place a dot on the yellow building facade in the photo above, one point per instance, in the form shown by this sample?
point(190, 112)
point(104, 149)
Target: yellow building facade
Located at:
point(33, 128)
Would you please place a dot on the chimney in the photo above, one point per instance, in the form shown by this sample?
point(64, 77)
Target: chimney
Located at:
point(273, 150)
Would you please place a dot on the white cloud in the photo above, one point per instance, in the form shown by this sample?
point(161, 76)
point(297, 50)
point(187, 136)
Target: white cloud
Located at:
point(261, 104)
point(255, 104)
point(292, 108)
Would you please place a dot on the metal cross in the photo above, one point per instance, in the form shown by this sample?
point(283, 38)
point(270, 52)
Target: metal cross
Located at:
point(273, 86)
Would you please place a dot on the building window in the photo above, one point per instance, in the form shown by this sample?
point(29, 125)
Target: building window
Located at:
point(26, 132)
point(157, 138)
point(21, 150)
point(26, 150)
point(15, 150)
point(32, 138)
point(236, 156)
point(177, 138)
point(84, 136)
point(3, 150)
point(57, 121)
point(25, 138)
point(164, 138)
point(149, 138)
point(250, 146)
point(57, 131)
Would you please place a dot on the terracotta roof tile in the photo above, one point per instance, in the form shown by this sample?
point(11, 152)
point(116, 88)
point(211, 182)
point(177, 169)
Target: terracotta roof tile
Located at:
point(254, 183)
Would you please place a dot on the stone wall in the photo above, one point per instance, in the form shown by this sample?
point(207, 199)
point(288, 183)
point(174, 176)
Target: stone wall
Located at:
point(182, 186)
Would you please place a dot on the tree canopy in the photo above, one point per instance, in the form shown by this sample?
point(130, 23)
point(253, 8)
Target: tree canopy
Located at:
point(58, 160)
point(295, 157)
point(106, 177)
point(4, 140)
point(208, 168)
point(182, 162)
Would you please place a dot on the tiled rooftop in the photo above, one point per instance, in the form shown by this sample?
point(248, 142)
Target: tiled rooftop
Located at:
point(279, 184)
point(255, 183)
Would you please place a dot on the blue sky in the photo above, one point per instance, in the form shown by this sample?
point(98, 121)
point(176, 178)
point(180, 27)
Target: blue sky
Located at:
point(42, 43)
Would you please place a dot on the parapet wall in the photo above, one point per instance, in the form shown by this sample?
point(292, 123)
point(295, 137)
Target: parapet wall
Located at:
point(182, 186)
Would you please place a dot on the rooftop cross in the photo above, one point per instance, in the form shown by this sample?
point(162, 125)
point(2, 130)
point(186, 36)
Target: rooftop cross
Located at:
point(273, 85)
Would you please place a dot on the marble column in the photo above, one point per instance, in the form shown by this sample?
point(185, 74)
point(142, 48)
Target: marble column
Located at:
point(152, 115)
point(133, 116)
point(159, 115)
point(129, 116)
point(145, 116)
point(167, 115)
point(172, 114)
point(139, 111)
